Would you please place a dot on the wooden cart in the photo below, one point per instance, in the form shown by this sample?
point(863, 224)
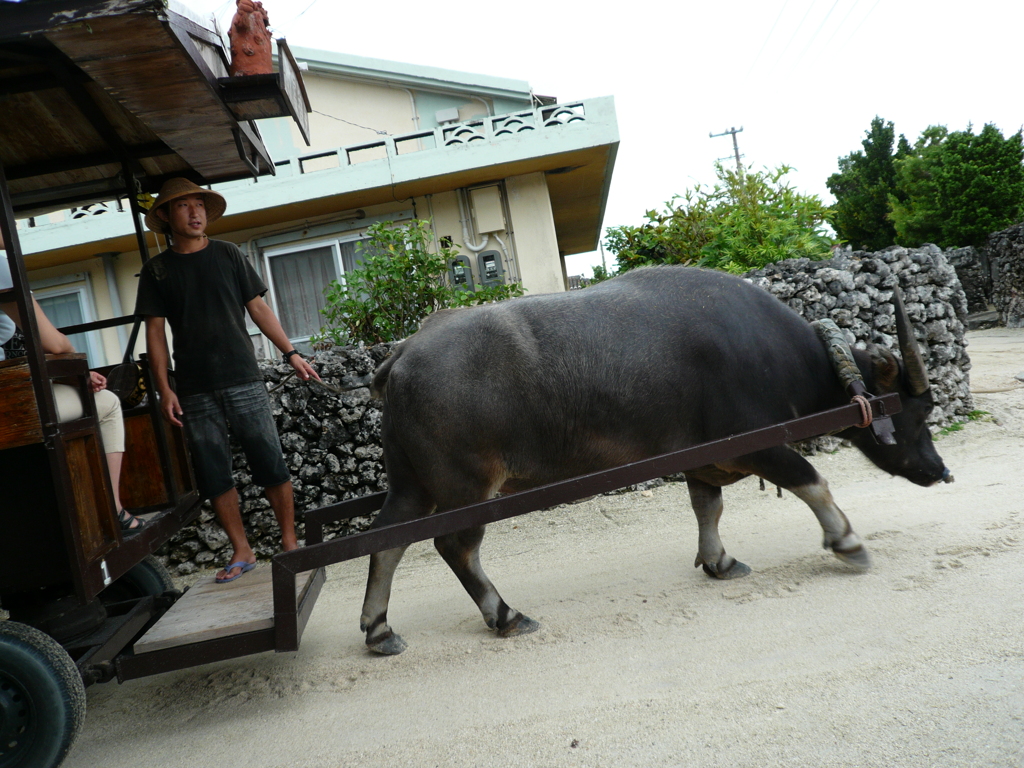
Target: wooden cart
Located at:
point(106, 100)
point(99, 101)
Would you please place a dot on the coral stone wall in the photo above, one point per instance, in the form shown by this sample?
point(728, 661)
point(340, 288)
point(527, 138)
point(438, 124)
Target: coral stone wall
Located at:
point(1006, 252)
point(854, 289)
point(972, 268)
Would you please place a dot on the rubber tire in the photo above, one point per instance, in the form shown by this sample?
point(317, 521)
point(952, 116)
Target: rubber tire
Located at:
point(36, 672)
point(147, 578)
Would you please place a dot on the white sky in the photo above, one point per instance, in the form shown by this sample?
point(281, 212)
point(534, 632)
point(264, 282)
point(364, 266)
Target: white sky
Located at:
point(803, 78)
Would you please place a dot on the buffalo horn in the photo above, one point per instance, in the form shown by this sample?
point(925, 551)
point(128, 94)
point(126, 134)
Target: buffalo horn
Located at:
point(917, 374)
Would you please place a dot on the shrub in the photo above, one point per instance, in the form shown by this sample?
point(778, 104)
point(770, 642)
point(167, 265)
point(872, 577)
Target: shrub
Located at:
point(746, 221)
point(397, 284)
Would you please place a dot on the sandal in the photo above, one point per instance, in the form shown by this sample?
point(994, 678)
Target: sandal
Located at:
point(127, 521)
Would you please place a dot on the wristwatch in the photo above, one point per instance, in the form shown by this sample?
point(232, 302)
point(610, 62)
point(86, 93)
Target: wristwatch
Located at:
point(286, 355)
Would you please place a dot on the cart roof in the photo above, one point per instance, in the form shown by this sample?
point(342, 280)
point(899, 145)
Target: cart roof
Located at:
point(86, 86)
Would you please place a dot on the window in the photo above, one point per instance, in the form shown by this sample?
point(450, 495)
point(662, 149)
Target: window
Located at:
point(69, 306)
point(298, 276)
point(299, 280)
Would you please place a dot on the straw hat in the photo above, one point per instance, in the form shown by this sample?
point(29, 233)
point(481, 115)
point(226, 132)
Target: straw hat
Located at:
point(179, 187)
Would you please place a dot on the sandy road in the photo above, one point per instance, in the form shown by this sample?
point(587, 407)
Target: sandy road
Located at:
point(641, 660)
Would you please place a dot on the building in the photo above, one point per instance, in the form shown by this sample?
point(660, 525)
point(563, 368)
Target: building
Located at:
point(516, 181)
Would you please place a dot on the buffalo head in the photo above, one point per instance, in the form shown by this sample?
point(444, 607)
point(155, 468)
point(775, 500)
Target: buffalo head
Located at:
point(914, 456)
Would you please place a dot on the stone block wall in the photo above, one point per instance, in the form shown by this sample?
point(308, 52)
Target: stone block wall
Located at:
point(1006, 252)
point(972, 268)
point(854, 289)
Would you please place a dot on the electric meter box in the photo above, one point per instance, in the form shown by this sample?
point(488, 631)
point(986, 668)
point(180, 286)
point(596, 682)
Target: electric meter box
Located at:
point(460, 272)
point(490, 269)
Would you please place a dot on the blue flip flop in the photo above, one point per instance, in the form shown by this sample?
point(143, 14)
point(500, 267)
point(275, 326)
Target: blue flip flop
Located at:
point(246, 567)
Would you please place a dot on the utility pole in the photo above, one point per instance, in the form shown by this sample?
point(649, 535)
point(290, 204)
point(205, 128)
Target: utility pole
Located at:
point(735, 145)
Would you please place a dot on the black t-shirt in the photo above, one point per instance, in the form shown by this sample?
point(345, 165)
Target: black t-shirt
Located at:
point(203, 297)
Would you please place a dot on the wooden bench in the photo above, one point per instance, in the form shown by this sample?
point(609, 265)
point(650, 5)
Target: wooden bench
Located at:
point(28, 472)
point(57, 494)
point(20, 424)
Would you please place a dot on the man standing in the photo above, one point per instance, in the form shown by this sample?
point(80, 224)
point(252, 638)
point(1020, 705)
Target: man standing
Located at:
point(203, 288)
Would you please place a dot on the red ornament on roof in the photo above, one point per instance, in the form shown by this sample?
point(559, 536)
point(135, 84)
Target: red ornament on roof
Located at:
point(250, 40)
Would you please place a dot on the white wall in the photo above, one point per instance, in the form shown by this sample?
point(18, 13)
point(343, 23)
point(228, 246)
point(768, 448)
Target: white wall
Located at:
point(534, 228)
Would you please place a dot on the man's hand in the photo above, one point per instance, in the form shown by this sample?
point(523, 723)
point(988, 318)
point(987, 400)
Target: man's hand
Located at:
point(270, 327)
point(302, 368)
point(97, 381)
point(170, 407)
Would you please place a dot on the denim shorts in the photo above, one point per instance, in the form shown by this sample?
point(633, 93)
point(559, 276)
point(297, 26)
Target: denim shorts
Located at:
point(246, 408)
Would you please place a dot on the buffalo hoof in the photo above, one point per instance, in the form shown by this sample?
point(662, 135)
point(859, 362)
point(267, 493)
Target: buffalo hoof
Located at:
point(388, 644)
point(857, 556)
point(735, 571)
point(520, 625)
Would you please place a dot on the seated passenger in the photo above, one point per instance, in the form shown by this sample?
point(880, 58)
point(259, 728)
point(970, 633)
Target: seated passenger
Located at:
point(69, 403)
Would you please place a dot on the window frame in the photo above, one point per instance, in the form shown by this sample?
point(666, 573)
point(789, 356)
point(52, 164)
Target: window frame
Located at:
point(333, 242)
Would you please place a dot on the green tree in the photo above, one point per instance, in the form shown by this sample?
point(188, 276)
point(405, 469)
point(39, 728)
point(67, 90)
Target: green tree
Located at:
point(864, 185)
point(916, 214)
point(958, 187)
point(398, 283)
point(747, 220)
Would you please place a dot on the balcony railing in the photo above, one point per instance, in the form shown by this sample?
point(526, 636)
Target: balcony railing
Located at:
point(445, 138)
point(487, 129)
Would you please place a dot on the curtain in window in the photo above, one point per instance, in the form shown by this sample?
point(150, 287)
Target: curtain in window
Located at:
point(299, 281)
point(353, 253)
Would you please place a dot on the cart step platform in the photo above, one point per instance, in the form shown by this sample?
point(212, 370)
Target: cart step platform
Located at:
point(210, 610)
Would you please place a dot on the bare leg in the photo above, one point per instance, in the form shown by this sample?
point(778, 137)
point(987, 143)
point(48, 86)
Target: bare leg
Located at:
point(114, 470)
point(706, 500)
point(114, 461)
point(230, 517)
point(282, 500)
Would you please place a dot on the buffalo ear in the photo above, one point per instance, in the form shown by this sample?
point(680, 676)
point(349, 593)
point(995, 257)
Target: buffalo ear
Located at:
point(885, 367)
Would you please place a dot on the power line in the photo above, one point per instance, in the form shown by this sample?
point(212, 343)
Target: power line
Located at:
point(765, 43)
point(296, 18)
point(357, 125)
point(816, 32)
point(795, 33)
point(841, 23)
point(862, 22)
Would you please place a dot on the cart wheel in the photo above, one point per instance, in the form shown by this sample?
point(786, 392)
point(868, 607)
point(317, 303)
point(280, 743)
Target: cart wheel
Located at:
point(42, 699)
point(147, 578)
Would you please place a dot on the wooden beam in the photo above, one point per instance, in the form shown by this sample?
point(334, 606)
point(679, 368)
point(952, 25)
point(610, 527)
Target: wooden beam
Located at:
point(77, 162)
point(18, 20)
point(44, 81)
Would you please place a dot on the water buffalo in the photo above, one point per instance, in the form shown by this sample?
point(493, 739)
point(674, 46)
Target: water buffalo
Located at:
point(522, 393)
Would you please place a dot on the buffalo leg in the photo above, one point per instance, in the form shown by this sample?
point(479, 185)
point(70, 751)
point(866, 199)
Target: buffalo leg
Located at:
point(791, 471)
point(707, 505)
point(405, 501)
point(462, 553)
point(839, 535)
point(374, 620)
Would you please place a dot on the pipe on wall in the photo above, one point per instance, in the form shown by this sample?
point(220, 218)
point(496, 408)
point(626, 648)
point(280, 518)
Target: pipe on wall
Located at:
point(464, 219)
